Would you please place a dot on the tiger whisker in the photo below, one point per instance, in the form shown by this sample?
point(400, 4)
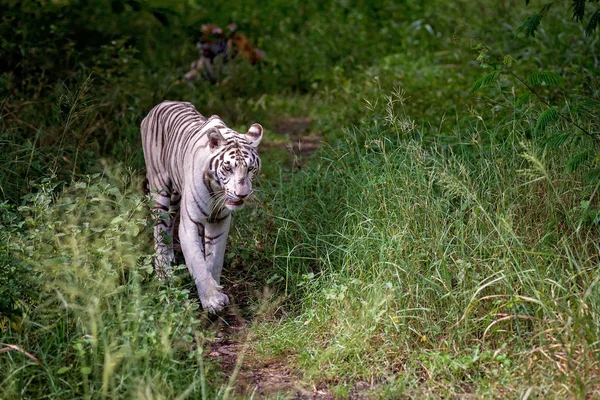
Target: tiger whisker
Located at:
point(218, 200)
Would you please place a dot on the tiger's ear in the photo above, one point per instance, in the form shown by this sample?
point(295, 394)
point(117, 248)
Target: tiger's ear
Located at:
point(215, 139)
point(255, 132)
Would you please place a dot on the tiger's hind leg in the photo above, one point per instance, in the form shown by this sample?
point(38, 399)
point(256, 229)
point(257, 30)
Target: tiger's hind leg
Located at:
point(163, 214)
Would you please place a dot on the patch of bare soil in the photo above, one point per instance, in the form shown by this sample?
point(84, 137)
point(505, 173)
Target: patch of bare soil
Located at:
point(293, 126)
point(301, 140)
point(256, 378)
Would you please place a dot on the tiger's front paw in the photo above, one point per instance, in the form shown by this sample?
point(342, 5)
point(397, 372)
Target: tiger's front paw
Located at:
point(214, 302)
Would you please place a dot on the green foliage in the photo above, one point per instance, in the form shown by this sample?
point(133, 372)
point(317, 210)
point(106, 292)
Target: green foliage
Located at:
point(579, 159)
point(550, 114)
point(18, 285)
point(485, 80)
point(594, 21)
point(578, 7)
point(531, 25)
point(523, 99)
point(544, 77)
point(546, 118)
point(403, 255)
point(95, 326)
point(431, 219)
point(557, 140)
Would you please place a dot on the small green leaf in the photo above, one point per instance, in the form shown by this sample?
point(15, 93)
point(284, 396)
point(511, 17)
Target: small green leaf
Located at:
point(508, 60)
point(557, 140)
point(530, 25)
point(578, 7)
point(85, 370)
point(485, 80)
point(578, 160)
point(594, 21)
point(522, 99)
point(546, 8)
point(545, 119)
point(63, 370)
point(593, 175)
point(545, 77)
point(586, 106)
point(116, 220)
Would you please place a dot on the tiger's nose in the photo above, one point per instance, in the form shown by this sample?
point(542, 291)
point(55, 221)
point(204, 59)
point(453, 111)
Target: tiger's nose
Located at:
point(241, 195)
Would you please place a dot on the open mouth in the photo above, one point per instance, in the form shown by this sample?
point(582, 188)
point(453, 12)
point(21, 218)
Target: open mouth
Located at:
point(235, 202)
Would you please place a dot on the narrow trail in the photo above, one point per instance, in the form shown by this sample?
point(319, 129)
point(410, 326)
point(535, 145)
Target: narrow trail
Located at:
point(299, 140)
point(232, 347)
point(259, 378)
point(256, 378)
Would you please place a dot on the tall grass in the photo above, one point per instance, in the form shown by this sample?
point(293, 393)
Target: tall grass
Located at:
point(92, 324)
point(439, 271)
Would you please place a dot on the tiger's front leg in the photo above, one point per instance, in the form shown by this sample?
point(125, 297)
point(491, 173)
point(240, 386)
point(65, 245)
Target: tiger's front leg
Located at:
point(211, 297)
point(215, 241)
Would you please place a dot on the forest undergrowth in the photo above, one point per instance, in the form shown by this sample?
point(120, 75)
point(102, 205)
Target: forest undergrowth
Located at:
point(441, 240)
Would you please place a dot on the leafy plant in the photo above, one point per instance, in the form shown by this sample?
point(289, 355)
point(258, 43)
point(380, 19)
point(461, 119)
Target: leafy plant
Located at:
point(576, 116)
point(96, 324)
point(578, 7)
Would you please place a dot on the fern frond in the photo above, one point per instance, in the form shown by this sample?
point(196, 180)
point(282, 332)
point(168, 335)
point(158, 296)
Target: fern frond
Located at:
point(545, 77)
point(587, 106)
point(522, 99)
point(578, 160)
point(545, 119)
point(578, 10)
point(530, 25)
point(594, 21)
point(557, 140)
point(546, 8)
point(508, 60)
point(593, 175)
point(485, 80)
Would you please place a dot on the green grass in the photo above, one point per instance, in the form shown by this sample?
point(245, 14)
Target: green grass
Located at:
point(438, 274)
point(439, 244)
point(93, 322)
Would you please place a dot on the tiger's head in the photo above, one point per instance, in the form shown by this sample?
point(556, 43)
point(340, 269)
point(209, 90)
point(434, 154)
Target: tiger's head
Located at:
point(213, 41)
point(235, 163)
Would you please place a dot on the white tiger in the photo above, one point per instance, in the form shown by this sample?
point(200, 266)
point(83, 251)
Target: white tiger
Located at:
point(205, 169)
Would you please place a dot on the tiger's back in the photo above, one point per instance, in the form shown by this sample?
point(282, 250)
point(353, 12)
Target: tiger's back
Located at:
point(165, 131)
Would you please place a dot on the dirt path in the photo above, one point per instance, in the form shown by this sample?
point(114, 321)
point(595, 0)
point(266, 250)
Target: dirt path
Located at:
point(256, 378)
point(232, 350)
point(299, 139)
